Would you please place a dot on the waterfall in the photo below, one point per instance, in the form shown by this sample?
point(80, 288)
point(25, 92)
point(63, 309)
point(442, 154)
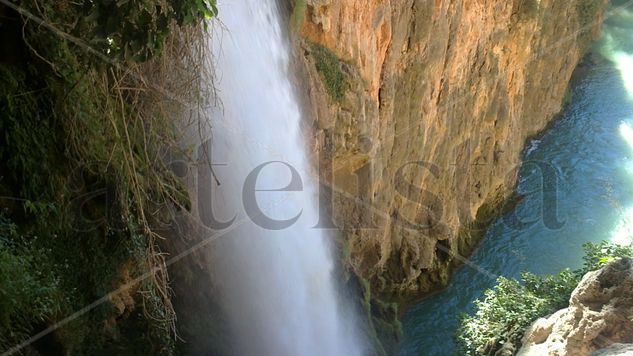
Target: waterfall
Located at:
point(617, 46)
point(277, 284)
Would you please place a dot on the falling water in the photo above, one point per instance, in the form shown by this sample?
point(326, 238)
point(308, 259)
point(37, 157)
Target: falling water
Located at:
point(617, 46)
point(277, 284)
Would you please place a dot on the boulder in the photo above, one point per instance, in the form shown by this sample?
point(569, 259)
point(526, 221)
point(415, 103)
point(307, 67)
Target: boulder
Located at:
point(600, 314)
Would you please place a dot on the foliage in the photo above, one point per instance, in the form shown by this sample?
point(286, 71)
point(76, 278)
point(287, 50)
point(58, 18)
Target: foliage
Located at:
point(555, 289)
point(598, 255)
point(47, 277)
point(28, 294)
point(298, 14)
point(84, 181)
point(330, 68)
point(507, 310)
point(124, 29)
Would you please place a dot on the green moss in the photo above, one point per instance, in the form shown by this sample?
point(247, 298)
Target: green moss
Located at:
point(330, 68)
point(298, 14)
point(587, 11)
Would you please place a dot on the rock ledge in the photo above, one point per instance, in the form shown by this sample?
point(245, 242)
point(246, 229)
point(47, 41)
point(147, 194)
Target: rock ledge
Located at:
point(599, 317)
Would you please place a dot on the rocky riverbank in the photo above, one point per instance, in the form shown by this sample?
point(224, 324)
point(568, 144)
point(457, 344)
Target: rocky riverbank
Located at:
point(598, 321)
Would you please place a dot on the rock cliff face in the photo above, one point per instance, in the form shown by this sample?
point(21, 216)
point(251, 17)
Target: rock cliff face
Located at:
point(600, 313)
point(422, 109)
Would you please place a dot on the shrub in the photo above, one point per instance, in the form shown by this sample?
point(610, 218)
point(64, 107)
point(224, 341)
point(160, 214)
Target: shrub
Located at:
point(508, 309)
point(329, 66)
point(598, 255)
point(29, 294)
point(83, 175)
point(124, 29)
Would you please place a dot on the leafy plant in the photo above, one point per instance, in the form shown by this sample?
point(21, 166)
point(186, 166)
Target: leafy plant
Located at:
point(330, 68)
point(599, 254)
point(508, 309)
point(125, 29)
point(29, 294)
point(83, 162)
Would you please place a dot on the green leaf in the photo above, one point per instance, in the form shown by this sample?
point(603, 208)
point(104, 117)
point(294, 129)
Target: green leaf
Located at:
point(606, 259)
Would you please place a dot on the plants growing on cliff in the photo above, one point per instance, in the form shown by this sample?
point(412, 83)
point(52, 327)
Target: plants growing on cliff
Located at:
point(507, 310)
point(84, 182)
point(598, 255)
point(330, 68)
point(299, 9)
point(123, 29)
point(28, 293)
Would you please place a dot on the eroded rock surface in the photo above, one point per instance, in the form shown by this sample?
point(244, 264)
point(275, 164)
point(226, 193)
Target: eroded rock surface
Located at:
point(600, 314)
point(442, 94)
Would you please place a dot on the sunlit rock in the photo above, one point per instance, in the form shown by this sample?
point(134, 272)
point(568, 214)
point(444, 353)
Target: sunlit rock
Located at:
point(600, 314)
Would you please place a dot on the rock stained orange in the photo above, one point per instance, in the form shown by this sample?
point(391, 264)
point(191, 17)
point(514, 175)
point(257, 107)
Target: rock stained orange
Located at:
point(458, 84)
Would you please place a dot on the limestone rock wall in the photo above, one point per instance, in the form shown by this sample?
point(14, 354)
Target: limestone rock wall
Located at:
point(458, 84)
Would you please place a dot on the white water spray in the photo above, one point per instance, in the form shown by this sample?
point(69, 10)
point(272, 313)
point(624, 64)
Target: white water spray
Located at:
point(277, 286)
point(617, 46)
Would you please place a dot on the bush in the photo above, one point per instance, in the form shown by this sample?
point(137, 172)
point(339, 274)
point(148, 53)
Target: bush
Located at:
point(84, 183)
point(598, 255)
point(508, 309)
point(124, 29)
point(48, 273)
point(29, 294)
point(329, 66)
